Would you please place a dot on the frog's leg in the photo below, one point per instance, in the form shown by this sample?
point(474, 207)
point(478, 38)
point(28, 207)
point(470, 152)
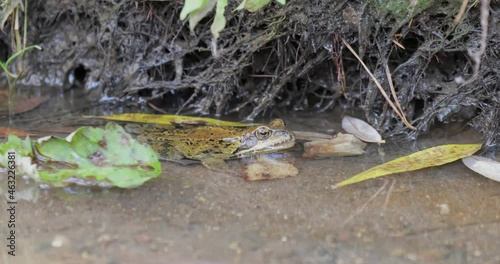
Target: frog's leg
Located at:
point(215, 164)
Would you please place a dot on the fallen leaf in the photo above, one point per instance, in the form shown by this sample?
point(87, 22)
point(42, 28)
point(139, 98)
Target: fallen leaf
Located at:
point(361, 129)
point(170, 119)
point(423, 159)
point(341, 145)
point(5, 132)
point(28, 104)
point(487, 167)
point(89, 156)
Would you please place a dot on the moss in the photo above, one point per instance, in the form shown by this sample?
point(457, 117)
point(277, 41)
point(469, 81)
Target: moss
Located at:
point(401, 9)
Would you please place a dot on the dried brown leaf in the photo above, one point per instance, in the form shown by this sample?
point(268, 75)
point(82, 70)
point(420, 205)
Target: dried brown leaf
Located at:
point(341, 145)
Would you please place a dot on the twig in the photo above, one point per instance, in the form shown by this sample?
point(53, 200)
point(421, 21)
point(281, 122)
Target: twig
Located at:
point(379, 86)
point(367, 202)
point(476, 56)
point(389, 192)
point(393, 92)
point(461, 12)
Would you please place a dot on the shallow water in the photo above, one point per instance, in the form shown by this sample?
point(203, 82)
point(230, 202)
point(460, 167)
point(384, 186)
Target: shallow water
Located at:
point(446, 214)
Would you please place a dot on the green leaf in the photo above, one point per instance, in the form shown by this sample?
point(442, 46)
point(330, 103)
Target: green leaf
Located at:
point(17, 145)
point(283, 2)
point(220, 20)
point(95, 155)
point(241, 5)
point(201, 13)
point(191, 6)
point(90, 156)
point(252, 5)
point(9, 7)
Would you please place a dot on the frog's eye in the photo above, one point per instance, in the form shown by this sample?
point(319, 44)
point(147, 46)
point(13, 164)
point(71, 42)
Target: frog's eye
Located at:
point(262, 133)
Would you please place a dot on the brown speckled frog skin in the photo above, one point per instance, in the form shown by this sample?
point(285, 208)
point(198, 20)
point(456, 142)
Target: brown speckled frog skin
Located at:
point(214, 144)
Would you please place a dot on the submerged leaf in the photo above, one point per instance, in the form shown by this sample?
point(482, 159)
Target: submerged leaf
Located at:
point(361, 129)
point(5, 131)
point(487, 167)
point(170, 120)
point(29, 104)
point(423, 159)
point(310, 136)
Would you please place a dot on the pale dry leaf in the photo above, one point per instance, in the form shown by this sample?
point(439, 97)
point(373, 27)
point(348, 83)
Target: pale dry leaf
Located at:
point(341, 145)
point(487, 167)
point(361, 130)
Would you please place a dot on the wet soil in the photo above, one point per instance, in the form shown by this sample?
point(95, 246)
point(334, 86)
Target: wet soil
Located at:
point(190, 214)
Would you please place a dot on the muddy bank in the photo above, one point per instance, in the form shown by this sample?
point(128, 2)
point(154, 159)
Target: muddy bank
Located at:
point(275, 60)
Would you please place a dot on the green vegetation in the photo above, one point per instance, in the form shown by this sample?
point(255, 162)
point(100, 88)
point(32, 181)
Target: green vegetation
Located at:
point(198, 9)
point(11, 11)
point(402, 9)
point(89, 156)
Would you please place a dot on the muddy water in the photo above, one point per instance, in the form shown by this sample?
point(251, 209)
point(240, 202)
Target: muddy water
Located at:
point(192, 215)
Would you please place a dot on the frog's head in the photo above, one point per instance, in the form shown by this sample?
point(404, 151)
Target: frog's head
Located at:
point(265, 139)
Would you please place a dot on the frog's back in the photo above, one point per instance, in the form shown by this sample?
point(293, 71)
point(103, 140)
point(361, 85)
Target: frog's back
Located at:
point(197, 142)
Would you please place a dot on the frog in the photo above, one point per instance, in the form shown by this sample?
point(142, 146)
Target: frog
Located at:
point(213, 145)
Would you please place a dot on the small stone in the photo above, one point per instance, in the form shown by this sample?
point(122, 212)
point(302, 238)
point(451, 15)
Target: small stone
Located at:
point(411, 256)
point(59, 241)
point(444, 209)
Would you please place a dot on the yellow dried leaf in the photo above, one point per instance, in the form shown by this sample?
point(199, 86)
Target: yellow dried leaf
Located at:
point(170, 119)
point(423, 159)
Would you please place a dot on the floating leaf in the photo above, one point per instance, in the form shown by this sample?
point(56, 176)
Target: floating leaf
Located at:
point(361, 129)
point(487, 167)
point(220, 20)
point(90, 156)
point(23, 152)
point(423, 159)
point(170, 120)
